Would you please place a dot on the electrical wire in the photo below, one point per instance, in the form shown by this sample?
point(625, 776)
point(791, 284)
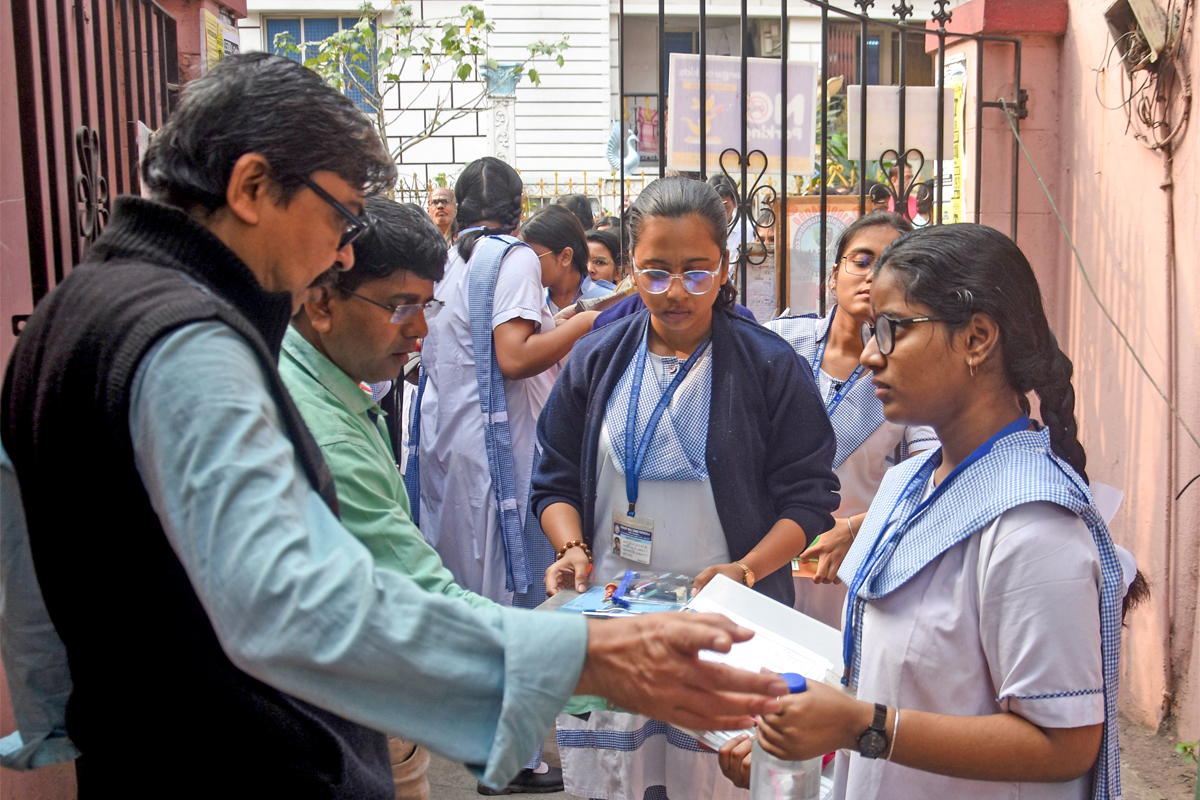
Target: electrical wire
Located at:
point(1009, 112)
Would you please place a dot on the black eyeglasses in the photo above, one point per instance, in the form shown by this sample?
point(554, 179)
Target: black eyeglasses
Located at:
point(355, 226)
point(406, 310)
point(440, 201)
point(859, 264)
point(884, 331)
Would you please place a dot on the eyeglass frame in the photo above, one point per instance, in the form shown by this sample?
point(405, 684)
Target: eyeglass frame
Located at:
point(868, 331)
point(680, 276)
point(358, 225)
point(437, 202)
point(402, 311)
point(859, 274)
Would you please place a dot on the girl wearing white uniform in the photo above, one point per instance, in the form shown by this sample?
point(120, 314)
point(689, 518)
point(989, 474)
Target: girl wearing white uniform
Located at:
point(982, 630)
point(867, 443)
point(679, 439)
point(495, 312)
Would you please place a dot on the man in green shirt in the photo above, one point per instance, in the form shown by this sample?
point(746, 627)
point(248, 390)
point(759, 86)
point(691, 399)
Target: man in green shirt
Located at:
point(357, 327)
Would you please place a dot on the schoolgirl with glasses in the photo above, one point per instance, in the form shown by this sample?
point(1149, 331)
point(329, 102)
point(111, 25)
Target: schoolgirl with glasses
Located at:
point(867, 443)
point(685, 439)
point(982, 629)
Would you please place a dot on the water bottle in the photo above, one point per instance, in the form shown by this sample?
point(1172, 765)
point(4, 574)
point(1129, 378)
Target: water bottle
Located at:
point(773, 778)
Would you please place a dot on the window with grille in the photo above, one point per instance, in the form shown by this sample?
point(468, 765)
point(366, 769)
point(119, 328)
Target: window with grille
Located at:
point(311, 31)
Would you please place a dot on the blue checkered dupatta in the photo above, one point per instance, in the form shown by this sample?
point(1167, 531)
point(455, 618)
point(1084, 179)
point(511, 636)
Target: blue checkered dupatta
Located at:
point(678, 448)
point(860, 413)
point(484, 268)
point(1020, 468)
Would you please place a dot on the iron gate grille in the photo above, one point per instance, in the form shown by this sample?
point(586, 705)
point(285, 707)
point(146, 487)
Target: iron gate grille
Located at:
point(839, 28)
point(87, 72)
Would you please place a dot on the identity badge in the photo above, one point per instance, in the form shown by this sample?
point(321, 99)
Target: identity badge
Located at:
point(632, 537)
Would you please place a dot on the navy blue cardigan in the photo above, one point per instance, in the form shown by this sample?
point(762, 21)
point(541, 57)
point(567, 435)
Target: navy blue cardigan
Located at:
point(770, 446)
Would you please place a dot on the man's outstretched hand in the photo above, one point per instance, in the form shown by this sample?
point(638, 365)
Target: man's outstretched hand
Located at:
point(651, 665)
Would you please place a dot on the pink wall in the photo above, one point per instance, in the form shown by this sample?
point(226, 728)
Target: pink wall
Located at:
point(1112, 197)
point(1108, 188)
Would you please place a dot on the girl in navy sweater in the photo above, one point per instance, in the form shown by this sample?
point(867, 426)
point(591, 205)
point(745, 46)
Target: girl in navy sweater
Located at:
point(685, 439)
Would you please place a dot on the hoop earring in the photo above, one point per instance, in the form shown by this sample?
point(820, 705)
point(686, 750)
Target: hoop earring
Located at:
point(972, 366)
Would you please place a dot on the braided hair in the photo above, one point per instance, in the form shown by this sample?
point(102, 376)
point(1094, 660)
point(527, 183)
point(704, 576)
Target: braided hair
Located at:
point(488, 189)
point(959, 270)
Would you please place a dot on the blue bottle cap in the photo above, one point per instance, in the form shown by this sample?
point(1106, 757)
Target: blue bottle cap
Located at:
point(796, 683)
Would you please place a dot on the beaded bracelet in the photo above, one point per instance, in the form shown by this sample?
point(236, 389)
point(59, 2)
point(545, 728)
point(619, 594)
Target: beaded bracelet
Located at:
point(562, 551)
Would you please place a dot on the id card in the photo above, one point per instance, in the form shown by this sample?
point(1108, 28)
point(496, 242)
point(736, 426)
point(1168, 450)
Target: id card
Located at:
point(632, 537)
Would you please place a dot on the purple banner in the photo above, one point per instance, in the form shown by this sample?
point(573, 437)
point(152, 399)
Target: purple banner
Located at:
point(767, 118)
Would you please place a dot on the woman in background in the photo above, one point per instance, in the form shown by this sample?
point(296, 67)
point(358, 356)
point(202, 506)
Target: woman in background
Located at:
point(557, 238)
point(606, 259)
point(867, 443)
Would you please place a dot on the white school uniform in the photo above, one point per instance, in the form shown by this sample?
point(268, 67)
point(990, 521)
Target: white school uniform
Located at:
point(613, 755)
point(459, 514)
point(1006, 620)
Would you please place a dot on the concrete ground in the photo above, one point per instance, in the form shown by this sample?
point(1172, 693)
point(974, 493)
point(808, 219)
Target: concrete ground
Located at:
point(450, 781)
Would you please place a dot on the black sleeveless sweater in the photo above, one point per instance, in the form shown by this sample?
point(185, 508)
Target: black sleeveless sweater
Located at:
point(157, 709)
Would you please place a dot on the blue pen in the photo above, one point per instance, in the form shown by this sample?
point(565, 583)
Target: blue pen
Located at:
point(618, 597)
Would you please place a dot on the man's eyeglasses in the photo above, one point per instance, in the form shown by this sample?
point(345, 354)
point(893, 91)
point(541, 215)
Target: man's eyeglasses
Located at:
point(884, 331)
point(657, 281)
point(858, 264)
point(437, 202)
point(354, 225)
point(405, 310)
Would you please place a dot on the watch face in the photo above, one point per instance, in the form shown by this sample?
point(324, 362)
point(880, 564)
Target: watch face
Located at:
point(872, 744)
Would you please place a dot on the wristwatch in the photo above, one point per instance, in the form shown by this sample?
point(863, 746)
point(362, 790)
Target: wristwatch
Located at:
point(874, 742)
point(748, 578)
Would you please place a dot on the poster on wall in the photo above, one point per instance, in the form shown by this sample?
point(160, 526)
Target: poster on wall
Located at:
point(641, 116)
point(768, 117)
point(954, 77)
point(219, 40)
point(803, 233)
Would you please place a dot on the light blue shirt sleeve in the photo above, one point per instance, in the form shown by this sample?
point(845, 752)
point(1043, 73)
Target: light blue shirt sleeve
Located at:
point(295, 599)
point(35, 659)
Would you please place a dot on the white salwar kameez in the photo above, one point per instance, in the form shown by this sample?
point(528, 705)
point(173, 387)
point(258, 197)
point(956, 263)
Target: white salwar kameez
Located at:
point(860, 475)
point(459, 514)
point(613, 755)
point(1006, 620)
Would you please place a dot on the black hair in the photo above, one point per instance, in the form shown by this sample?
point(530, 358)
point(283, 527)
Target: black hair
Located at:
point(250, 103)
point(897, 222)
point(487, 189)
point(578, 205)
point(675, 198)
point(609, 221)
point(724, 186)
point(960, 270)
point(612, 243)
point(401, 237)
point(556, 228)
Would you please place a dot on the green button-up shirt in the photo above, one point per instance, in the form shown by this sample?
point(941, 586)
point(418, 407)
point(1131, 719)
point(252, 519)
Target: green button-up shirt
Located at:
point(349, 428)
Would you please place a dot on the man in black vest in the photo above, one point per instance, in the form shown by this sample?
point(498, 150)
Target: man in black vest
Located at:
point(182, 523)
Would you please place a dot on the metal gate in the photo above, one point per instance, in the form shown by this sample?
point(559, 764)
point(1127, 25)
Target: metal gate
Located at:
point(87, 71)
point(844, 50)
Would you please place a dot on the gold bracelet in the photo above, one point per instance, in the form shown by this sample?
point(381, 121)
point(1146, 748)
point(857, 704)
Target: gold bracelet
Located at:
point(748, 577)
point(562, 551)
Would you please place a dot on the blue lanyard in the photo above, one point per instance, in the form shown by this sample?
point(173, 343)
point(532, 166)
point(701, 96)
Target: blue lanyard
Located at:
point(878, 553)
point(632, 471)
point(841, 393)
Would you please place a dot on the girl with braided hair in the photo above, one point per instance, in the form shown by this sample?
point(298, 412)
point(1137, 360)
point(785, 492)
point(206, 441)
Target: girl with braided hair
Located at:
point(982, 627)
point(487, 366)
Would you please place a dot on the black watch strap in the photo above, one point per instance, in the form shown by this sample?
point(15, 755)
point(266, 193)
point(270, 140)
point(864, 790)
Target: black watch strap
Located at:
point(873, 742)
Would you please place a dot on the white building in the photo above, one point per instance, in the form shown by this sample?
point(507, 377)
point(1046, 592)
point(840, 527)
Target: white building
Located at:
point(557, 132)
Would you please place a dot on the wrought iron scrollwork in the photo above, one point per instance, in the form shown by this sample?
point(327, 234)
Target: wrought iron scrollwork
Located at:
point(903, 10)
point(864, 5)
point(91, 188)
point(765, 195)
point(899, 193)
point(941, 14)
